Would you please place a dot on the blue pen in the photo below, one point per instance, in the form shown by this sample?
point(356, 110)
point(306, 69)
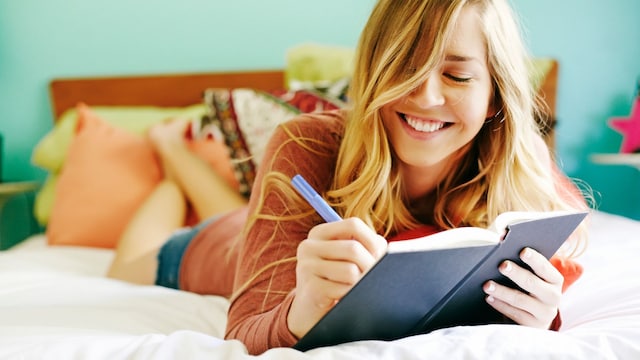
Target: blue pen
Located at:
point(314, 199)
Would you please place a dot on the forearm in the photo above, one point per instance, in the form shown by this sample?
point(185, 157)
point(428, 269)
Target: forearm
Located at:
point(265, 281)
point(207, 191)
point(264, 331)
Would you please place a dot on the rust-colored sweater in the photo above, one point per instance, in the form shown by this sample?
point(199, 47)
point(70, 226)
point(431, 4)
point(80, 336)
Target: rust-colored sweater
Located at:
point(221, 261)
point(217, 263)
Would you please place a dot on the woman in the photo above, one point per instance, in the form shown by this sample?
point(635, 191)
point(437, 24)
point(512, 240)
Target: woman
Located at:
point(440, 133)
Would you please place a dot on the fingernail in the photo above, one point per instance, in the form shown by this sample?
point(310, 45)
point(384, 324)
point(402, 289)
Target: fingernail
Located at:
point(526, 253)
point(491, 287)
point(506, 267)
point(490, 299)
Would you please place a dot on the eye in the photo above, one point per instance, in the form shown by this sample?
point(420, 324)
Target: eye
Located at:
point(457, 78)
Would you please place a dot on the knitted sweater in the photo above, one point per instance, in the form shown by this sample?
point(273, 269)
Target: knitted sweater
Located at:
point(222, 260)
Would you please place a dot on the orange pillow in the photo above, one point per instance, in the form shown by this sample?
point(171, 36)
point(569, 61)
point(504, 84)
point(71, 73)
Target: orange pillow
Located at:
point(570, 270)
point(107, 175)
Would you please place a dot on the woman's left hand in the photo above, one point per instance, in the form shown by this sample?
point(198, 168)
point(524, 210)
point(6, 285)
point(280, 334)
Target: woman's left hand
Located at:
point(543, 283)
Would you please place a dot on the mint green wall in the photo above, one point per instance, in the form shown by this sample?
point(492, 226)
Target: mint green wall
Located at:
point(40, 40)
point(596, 41)
point(598, 45)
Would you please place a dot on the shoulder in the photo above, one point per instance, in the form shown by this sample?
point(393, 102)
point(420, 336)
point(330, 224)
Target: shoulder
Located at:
point(308, 144)
point(307, 137)
point(316, 125)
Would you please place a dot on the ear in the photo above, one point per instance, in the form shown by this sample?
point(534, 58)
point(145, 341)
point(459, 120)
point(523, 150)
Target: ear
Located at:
point(492, 112)
point(495, 107)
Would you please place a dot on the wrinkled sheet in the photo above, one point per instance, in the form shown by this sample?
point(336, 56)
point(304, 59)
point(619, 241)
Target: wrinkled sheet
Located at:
point(55, 303)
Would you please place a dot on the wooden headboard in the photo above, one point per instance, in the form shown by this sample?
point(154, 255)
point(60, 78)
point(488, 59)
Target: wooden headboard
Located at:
point(173, 90)
point(176, 90)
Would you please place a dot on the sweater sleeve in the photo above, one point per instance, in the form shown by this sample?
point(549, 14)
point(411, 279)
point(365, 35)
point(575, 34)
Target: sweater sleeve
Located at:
point(264, 286)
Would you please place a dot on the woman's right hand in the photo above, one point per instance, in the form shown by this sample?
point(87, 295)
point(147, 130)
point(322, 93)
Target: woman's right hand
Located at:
point(330, 262)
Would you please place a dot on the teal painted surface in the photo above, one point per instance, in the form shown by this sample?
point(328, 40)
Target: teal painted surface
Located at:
point(41, 40)
point(16, 220)
point(597, 43)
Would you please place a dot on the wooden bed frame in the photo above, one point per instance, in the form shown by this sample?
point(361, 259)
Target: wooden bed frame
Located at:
point(177, 90)
point(172, 90)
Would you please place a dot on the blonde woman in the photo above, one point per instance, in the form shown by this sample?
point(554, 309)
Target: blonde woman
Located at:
point(440, 133)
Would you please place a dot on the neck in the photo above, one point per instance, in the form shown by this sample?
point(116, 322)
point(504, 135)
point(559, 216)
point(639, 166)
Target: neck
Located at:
point(421, 181)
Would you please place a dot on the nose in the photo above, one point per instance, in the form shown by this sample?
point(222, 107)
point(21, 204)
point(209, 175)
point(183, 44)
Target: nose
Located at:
point(429, 93)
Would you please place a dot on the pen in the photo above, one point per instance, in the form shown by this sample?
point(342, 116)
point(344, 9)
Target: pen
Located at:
point(314, 199)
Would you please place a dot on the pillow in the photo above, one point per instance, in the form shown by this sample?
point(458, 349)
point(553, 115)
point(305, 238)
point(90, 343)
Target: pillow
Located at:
point(248, 117)
point(326, 68)
point(538, 69)
point(107, 175)
point(43, 202)
point(51, 151)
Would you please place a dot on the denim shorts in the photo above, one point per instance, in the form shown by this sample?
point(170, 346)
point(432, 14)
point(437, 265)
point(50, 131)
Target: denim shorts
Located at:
point(171, 253)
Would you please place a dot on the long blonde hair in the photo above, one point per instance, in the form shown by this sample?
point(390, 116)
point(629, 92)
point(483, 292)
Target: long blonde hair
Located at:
point(401, 43)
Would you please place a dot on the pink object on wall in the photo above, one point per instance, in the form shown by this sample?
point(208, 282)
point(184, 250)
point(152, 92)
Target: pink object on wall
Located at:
point(629, 127)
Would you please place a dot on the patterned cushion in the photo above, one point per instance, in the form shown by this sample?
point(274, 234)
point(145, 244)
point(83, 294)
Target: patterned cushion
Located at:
point(248, 117)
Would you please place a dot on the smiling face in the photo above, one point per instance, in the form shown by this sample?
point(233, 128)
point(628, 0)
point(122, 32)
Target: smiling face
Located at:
point(433, 126)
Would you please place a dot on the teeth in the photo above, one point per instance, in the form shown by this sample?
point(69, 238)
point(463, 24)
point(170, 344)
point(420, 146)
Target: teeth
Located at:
point(424, 126)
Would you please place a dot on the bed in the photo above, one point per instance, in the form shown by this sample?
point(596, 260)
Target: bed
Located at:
point(56, 303)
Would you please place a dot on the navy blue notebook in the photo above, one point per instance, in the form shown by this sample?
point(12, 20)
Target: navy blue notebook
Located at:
point(411, 292)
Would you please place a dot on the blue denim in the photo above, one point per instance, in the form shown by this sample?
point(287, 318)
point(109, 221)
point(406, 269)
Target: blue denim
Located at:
point(171, 253)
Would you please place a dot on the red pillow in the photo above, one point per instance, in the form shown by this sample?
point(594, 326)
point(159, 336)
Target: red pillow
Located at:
point(107, 175)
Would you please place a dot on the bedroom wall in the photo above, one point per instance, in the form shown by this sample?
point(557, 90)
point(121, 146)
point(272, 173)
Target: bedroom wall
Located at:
point(596, 42)
point(40, 40)
point(598, 45)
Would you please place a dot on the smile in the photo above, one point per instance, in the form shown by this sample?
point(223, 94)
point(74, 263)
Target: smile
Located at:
point(422, 125)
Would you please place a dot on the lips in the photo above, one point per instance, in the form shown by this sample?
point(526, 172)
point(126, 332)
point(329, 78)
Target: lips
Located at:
point(423, 125)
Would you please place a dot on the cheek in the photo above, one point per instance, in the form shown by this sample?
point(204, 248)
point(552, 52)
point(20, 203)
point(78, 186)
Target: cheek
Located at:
point(388, 117)
point(472, 110)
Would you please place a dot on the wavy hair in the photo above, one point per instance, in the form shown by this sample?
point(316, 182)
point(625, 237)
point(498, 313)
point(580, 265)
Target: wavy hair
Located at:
point(401, 44)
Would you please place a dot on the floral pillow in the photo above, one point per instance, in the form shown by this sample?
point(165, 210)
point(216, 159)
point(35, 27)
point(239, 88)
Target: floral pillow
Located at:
point(248, 117)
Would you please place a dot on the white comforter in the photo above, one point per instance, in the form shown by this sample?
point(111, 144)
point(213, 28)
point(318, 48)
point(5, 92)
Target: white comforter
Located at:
point(56, 304)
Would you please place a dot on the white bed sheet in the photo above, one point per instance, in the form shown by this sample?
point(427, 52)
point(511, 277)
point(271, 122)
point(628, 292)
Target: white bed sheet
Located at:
point(56, 304)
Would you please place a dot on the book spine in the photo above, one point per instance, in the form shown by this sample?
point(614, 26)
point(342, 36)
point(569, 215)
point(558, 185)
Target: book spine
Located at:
point(424, 325)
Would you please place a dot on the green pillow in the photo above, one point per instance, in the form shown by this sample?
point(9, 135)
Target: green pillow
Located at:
point(317, 66)
point(51, 150)
point(43, 202)
point(539, 68)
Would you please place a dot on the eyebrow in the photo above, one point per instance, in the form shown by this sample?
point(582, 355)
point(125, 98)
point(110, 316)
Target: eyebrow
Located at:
point(459, 58)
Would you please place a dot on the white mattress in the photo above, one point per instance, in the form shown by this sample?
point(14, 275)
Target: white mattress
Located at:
point(56, 304)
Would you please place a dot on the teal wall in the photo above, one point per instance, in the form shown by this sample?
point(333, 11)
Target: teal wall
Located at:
point(40, 40)
point(598, 45)
point(596, 41)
